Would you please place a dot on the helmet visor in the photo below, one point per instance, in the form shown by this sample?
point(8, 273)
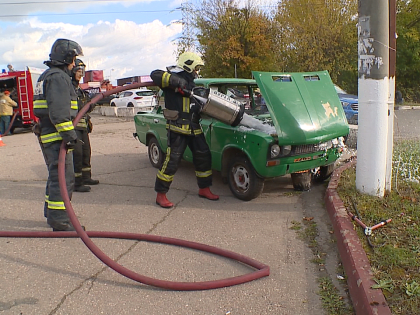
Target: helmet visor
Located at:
point(77, 49)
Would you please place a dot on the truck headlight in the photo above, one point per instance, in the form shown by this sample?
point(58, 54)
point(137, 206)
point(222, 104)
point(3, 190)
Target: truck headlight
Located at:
point(324, 146)
point(286, 150)
point(274, 151)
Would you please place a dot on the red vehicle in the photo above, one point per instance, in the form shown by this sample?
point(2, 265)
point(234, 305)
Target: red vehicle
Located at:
point(21, 86)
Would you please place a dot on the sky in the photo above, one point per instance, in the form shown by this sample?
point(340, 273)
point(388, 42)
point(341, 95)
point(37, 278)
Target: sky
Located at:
point(123, 38)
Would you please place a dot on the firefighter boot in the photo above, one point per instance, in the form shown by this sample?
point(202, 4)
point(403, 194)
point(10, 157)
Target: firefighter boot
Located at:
point(206, 193)
point(90, 181)
point(59, 220)
point(162, 201)
point(78, 185)
point(87, 178)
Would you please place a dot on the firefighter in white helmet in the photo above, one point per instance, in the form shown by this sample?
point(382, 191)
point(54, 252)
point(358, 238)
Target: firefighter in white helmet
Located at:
point(183, 125)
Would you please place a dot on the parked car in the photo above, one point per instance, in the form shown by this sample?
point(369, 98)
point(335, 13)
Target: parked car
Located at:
point(304, 136)
point(350, 105)
point(105, 101)
point(143, 98)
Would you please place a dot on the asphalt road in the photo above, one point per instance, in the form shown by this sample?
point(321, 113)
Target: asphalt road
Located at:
point(407, 123)
point(61, 276)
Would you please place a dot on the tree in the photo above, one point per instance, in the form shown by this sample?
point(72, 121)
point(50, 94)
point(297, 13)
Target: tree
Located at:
point(408, 49)
point(234, 41)
point(320, 35)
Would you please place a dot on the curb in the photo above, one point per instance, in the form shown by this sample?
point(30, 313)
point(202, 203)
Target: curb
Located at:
point(366, 301)
point(401, 107)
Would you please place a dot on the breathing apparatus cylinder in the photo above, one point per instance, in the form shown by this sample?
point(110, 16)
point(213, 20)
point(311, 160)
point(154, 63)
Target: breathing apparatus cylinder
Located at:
point(219, 106)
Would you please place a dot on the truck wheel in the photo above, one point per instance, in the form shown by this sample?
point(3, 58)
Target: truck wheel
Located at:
point(243, 180)
point(155, 153)
point(323, 173)
point(301, 181)
point(113, 104)
point(130, 105)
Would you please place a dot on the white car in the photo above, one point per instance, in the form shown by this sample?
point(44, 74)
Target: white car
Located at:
point(144, 98)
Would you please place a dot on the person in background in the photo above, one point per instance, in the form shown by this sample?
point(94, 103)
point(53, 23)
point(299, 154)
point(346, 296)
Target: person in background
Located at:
point(55, 104)
point(183, 125)
point(6, 111)
point(10, 68)
point(82, 151)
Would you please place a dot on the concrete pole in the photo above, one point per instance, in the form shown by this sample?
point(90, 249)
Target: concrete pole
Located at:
point(391, 94)
point(373, 50)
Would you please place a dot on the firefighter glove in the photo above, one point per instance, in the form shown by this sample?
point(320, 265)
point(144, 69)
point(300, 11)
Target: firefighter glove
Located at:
point(184, 92)
point(70, 145)
point(177, 82)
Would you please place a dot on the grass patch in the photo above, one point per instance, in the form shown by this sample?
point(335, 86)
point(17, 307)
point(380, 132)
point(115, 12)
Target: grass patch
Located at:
point(332, 302)
point(393, 249)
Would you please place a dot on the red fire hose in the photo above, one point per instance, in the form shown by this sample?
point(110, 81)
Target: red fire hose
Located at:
point(262, 269)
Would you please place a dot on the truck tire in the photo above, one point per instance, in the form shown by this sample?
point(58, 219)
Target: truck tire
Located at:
point(243, 181)
point(156, 156)
point(323, 173)
point(301, 181)
point(113, 104)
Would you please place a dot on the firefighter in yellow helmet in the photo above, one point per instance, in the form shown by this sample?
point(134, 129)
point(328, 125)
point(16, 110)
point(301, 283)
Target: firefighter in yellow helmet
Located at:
point(183, 126)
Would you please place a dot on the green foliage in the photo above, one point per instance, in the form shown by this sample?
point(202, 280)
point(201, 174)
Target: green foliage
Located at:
point(233, 40)
point(299, 35)
point(319, 35)
point(408, 49)
point(384, 284)
point(412, 289)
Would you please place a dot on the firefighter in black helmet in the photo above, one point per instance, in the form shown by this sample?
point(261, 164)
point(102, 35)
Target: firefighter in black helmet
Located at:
point(82, 151)
point(183, 125)
point(55, 104)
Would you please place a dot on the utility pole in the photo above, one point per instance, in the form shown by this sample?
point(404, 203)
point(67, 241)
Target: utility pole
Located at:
point(373, 68)
point(391, 94)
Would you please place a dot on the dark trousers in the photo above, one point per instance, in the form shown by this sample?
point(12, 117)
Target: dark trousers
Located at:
point(201, 159)
point(81, 157)
point(4, 124)
point(53, 199)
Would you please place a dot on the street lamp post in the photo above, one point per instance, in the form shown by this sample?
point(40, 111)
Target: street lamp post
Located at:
point(110, 75)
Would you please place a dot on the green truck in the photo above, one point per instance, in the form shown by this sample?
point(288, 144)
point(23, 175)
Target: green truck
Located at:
point(304, 135)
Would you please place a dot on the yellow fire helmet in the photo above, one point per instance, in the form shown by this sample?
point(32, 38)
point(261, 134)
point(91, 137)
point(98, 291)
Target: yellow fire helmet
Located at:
point(190, 61)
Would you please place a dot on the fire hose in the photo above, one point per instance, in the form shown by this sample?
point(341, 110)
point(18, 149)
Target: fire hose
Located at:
point(262, 270)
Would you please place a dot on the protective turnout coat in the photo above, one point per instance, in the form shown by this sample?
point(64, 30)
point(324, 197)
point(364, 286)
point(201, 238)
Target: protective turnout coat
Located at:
point(55, 104)
point(183, 131)
point(169, 81)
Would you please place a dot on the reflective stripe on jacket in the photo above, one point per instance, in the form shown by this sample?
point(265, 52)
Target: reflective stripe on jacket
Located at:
point(55, 104)
point(185, 124)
